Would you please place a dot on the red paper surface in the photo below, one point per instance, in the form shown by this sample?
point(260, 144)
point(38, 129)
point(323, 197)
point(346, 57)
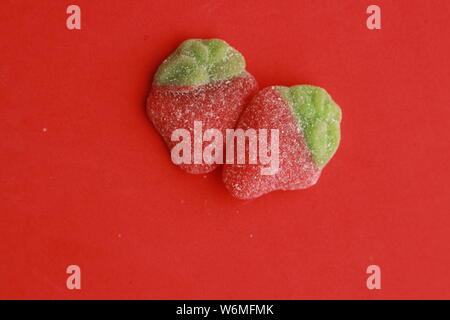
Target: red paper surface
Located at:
point(96, 187)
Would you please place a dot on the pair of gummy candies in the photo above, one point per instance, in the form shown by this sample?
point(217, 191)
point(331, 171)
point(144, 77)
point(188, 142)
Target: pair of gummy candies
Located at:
point(205, 81)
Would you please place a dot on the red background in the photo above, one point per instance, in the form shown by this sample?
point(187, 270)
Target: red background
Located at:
point(98, 188)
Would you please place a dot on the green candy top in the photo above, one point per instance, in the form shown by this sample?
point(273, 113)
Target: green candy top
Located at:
point(196, 62)
point(319, 118)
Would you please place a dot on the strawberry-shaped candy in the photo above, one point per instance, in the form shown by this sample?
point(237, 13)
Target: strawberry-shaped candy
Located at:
point(202, 85)
point(308, 127)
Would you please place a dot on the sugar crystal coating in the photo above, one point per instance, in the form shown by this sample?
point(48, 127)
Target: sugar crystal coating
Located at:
point(196, 62)
point(319, 116)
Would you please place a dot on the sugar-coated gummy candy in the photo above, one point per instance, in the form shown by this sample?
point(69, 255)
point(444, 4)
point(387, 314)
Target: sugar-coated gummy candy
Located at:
point(203, 80)
point(308, 121)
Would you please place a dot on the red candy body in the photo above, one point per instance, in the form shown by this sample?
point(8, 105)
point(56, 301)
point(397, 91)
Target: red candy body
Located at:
point(218, 105)
point(297, 169)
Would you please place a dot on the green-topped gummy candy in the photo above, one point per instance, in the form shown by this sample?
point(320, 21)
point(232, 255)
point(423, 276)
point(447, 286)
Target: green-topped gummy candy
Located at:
point(308, 122)
point(203, 80)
